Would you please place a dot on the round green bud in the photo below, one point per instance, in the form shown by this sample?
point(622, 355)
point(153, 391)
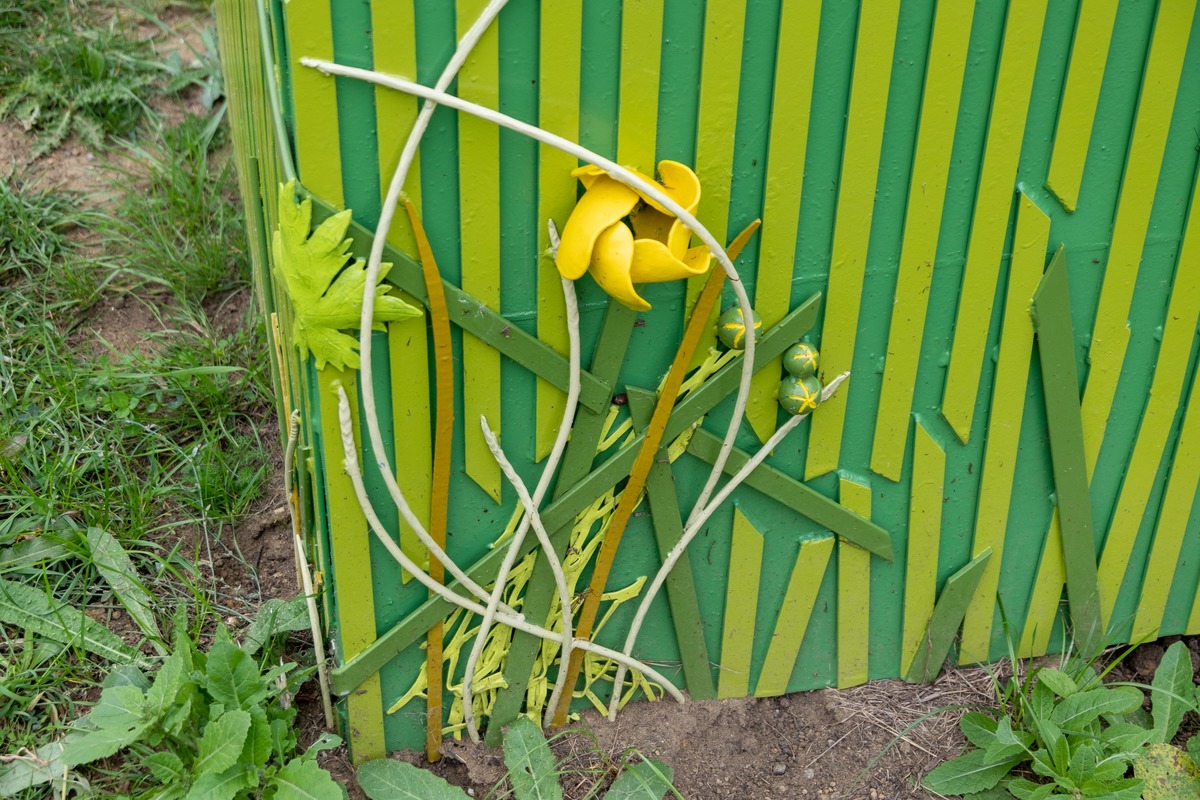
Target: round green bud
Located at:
point(801, 360)
point(731, 328)
point(799, 395)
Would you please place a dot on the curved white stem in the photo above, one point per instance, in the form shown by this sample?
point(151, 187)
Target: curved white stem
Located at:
point(516, 622)
point(694, 527)
point(531, 504)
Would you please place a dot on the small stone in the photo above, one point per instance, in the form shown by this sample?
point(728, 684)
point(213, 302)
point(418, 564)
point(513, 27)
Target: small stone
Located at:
point(779, 769)
point(810, 774)
point(785, 703)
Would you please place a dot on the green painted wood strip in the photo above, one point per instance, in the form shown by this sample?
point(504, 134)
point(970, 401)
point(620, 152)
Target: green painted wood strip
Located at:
point(479, 218)
point(558, 112)
point(854, 594)
point(924, 541)
point(720, 82)
point(579, 495)
point(349, 542)
point(1093, 33)
point(782, 488)
point(314, 99)
point(1056, 347)
point(476, 318)
point(668, 530)
point(577, 461)
point(946, 618)
point(852, 227)
point(1004, 424)
point(1110, 334)
point(922, 225)
point(794, 615)
point(741, 607)
point(993, 201)
point(408, 353)
point(641, 54)
point(795, 64)
point(395, 112)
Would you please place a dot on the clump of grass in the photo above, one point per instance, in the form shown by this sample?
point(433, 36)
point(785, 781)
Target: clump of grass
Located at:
point(34, 224)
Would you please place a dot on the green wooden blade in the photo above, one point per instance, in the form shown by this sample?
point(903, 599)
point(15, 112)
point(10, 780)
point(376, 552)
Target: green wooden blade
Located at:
point(946, 618)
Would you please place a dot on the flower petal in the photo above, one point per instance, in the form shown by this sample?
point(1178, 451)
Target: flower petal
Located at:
point(611, 261)
point(653, 262)
point(605, 202)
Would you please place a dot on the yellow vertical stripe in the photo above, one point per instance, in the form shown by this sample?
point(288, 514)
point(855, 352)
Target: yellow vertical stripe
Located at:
point(794, 615)
point(641, 52)
point(720, 80)
point(558, 111)
point(741, 606)
point(396, 112)
point(993, 202)
point(852, 228)
point(1004, 426)
point(349, 541)
point(795, 62)
point(479, 213)
point(924, 538)
point(1047, 593)
point(854, 594)
point(1110, 335)
point(926, 198)
point(314, 100)
point(1093, 33)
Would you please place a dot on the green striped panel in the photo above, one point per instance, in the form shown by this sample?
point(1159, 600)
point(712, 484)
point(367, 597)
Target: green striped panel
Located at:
point(741, 606)
point(798, 603)
point(854, 594)
point(411, 414)
point(852, 230)
point(641, 52)
point(924, 538)
point(314, 99)
point(993, 202)
point(396, 112)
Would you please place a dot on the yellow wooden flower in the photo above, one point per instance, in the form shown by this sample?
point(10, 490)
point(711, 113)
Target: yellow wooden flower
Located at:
point(623, 237)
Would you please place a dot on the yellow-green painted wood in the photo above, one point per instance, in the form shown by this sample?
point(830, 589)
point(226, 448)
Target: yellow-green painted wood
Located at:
point(314, 99)
point(479, 194)
point(396, 112)
point(558, 112)
point(720, 79)
point(741, 607)
point(993, 201)
point(794, 615)
point(852, 226)
point(854, 594)
point(1047, 594)
point(924, 540)
point(922, 224)
point(1093, 33)
point(795, 64)
point(408, 355)
point(1110, 334)
point(350, 556)
point(1004, 424)
point(947, 616)
point(641, 54)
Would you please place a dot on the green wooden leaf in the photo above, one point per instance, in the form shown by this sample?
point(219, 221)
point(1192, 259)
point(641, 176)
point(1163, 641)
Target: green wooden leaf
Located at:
point(326, 294)
point(1169, 773)
point(118, 572)
point(222, 742)
point(303, 779)
point(1172, 683)
point(1057, 681)
point(386, 779)
point(530, 762)
point(967, 774)
point(26, 607)
point(1079, 709)
point(645, 780)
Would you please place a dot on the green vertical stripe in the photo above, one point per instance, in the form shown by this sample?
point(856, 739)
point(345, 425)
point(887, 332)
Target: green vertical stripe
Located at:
point(741, 607)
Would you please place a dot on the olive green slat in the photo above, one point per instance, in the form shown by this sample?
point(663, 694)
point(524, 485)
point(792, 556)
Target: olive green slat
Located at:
point(396, 112)
point(794, 615)
point(577, 462)
point(854, 594)
point(922, 224)
point(408, 352)
point(1004, 425)
point(720, 82)
point(641, 52)
point(558, 112)
point(579, 494)
point(1056, 346)
point(1110, 335)
point(993, 201)
point(782, 488)
point(741, 607)
point(476, 318)
point(795, 63)
point(852, 227)
point(924, 540)
point(349, 542)
point(1080, 96)
point(668, 530)
point(947, 616)
point(314, 98)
